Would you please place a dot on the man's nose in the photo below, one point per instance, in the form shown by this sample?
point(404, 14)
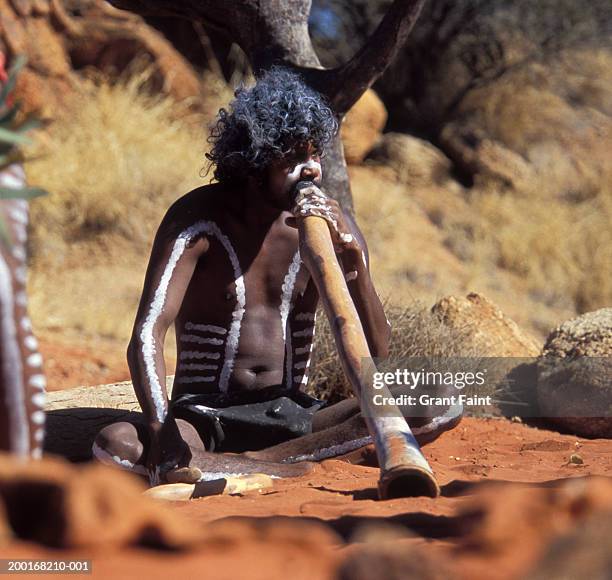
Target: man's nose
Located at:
point(310, 171)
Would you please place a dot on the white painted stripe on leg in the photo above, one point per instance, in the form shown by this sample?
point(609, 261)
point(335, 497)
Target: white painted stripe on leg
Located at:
point(12, 369)
point(331, 451)
point(106, 458)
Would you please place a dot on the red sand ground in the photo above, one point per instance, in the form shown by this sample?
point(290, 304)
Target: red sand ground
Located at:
point(482, 526)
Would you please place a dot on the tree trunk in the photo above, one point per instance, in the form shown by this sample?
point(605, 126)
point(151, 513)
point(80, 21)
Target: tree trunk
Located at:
point(275, 32)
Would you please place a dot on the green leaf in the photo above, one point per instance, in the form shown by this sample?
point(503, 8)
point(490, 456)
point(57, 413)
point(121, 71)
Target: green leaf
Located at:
point(8, 117)
point(8, 136)
point(4, 237)
point(8, 87)
point(23, 193)
point(27, 125)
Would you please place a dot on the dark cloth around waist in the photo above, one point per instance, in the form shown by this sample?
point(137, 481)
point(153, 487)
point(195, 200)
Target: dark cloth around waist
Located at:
point(248, 421)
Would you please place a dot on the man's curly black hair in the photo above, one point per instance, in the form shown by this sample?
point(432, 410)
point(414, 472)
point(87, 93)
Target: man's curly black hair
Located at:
point(265, 123)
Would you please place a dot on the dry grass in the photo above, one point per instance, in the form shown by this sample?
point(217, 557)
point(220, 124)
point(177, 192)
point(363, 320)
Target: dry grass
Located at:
point(115, 158)
point(113, 163)
point(417, 333)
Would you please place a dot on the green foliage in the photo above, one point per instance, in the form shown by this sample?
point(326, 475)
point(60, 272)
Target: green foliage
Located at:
point(12, 136)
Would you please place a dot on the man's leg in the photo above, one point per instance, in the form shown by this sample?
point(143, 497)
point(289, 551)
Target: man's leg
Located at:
point(340, 429)
point(125, 444)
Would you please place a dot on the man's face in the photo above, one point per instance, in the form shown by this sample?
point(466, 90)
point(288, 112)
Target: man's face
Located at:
point(302, 164)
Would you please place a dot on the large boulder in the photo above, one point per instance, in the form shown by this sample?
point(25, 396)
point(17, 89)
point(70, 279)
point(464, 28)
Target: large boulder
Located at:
point(363, 126)
point(64, 41)
point(414, 161)
point(575, 375)
point(492, 333)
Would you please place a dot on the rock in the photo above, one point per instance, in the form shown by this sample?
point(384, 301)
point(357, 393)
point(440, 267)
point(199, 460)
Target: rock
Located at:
point(75, 416)
point(388, 551)
point(530, 517)
point(493, 333)
point(61, 505)
point(585, 552)
point(415, 161)
point(63, 42)
point(362, 126)
point(575, 375)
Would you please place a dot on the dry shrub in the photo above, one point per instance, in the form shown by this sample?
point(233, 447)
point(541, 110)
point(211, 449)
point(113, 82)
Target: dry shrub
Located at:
point(563, 251)
point(111, 162)
point(417, 333)
point(114, 162)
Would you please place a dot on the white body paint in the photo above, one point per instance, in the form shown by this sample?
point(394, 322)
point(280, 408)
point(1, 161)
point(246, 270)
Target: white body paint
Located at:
point(200, 340)
point(205, 328)
point(435, 424)
point(296, 173)
point(157, 305)
point(305, 316)
point(196, 354)
point(12, 370)
point(189, 380)
point(106, 458)
point(197, 367)
point(285, 307)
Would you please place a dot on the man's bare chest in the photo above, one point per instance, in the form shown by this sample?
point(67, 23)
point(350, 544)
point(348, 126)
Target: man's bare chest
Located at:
point(262, 268)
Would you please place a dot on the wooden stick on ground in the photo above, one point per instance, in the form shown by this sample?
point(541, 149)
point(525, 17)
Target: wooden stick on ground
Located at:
point(224, 486)
point(404, 470)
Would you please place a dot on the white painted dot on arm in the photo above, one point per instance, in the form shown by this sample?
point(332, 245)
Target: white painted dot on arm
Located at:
point(38, 417)
point(39, 399)
point(34, 360)
point(30, 342)
point(38, 381)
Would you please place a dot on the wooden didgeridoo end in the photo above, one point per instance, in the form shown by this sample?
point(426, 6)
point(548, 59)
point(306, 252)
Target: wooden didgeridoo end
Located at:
point(223, 486)
point(407, 481)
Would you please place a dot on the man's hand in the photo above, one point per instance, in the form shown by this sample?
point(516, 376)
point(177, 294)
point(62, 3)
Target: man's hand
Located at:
point(311, 201)
point(167, 450)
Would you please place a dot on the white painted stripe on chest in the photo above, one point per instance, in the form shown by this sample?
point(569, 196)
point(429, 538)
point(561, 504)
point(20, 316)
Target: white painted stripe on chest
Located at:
point(205, 328)
point(189, 380)
point(12, 369)
point(159, 299)
point(197, 355)
point(197, 367)
point(305, 316)
point(285, 307)
point(306, 333)
point(200, 340)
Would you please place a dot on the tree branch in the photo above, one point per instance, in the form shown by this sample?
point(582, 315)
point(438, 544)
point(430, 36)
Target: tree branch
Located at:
point(345, 84)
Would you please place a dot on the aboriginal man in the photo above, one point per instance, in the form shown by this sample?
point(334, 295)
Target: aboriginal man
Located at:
point(225, 269)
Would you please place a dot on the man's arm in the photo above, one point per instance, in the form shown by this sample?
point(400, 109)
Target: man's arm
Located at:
point(171, 266)
point(356, 265)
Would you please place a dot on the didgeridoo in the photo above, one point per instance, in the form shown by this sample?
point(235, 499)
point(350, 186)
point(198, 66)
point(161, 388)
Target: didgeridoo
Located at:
point(404, 472)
